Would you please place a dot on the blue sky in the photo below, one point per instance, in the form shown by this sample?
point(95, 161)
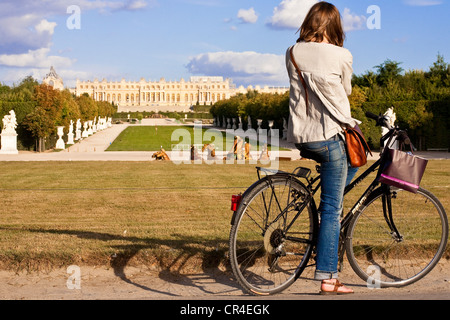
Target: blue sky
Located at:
point(244, 40)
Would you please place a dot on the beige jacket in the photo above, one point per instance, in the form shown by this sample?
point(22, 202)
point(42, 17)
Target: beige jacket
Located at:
point(327, 70)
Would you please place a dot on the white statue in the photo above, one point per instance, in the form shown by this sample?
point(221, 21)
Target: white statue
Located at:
point(391, 116)
point(90, 131)
point(9, 123)
point(78, 130)
point(85, 133)
point(270, 128)
point(103, 123)
point(60, 143)
point(71, 126)
point(259, 122)
point(94, 125)
point(285, 129)
point(70, 134)
point(9, 135)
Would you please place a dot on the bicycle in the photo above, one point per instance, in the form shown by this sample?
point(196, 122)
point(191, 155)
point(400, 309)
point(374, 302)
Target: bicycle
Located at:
point(392, 237)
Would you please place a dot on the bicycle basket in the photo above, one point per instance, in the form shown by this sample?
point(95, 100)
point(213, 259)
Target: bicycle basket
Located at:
point(404, 171)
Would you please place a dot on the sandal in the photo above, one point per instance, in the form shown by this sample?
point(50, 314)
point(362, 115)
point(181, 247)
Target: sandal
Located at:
point(334, 287)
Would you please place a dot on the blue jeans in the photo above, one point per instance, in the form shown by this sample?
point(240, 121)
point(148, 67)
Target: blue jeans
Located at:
point(336, 173)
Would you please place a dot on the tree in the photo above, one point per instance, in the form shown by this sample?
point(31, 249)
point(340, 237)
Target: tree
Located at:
point(358, 97)
point(105, 109)
point(439, 73)
point(69, 109)
point(88, 108)
point(43, 120)
point(37, 123)
point(388, 70)
point(368, 79)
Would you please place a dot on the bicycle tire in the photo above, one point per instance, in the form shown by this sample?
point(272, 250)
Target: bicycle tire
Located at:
point(381, 258)
point(265, 257)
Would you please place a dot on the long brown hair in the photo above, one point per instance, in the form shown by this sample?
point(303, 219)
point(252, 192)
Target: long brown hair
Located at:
point(323, 21)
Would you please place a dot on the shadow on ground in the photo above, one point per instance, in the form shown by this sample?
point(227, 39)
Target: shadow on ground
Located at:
point(177, 260)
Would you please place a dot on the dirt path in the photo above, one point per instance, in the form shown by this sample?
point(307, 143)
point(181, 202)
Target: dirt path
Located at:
point(134, 283)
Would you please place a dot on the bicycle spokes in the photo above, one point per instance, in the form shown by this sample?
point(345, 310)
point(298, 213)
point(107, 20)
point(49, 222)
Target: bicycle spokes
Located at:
point(267, 249)
point(400, 234)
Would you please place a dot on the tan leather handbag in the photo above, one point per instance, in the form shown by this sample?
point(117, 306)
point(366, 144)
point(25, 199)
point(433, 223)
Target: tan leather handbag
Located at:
point(357, 147)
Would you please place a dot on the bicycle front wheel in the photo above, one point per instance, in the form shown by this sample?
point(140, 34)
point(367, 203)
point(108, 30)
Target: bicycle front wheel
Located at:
point(271, 239)
point(397, 251)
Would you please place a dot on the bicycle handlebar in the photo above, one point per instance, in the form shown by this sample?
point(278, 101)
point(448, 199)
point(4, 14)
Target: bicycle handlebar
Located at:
point(372, 116)
point(380, 119)
point(383, 121)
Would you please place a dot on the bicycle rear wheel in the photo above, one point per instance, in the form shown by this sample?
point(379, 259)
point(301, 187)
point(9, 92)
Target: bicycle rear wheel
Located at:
point(267, 253)
point(384, 258)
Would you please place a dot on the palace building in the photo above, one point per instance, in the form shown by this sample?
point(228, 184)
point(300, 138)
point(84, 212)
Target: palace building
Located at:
point(162, 95)
point(54, 80)
point(159, 95)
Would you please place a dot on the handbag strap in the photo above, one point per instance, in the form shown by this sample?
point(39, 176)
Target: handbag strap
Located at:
point(301, 77)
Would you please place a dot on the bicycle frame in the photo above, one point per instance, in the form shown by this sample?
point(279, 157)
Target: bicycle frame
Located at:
point(346, 220)
point(313, 185)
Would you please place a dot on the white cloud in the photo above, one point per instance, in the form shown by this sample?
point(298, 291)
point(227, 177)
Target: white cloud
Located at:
point(22, 33)
point(136, 5)
point(35, 58)
point(26, 34)
point(422, 3)
point(243, 67)
point(289, 14)
point(247, 16)
point(107, 6)
point(24, 25)
point(45, 26)
point(352, 21)
point(15, 75)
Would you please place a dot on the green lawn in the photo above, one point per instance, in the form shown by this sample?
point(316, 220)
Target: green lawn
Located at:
point(152, 138)
point(54, 214)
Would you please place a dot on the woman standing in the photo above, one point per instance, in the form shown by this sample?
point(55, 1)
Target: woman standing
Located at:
point(320, 72)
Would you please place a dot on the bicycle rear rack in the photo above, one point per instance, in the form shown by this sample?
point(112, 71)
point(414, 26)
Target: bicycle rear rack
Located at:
point(299, 172)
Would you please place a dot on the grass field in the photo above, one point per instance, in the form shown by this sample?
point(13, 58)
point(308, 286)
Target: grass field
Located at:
point(155, 214)
point(144, 138)
point(152, 138)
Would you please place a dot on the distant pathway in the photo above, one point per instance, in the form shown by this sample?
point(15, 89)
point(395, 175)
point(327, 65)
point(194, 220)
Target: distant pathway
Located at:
point(93, 148)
